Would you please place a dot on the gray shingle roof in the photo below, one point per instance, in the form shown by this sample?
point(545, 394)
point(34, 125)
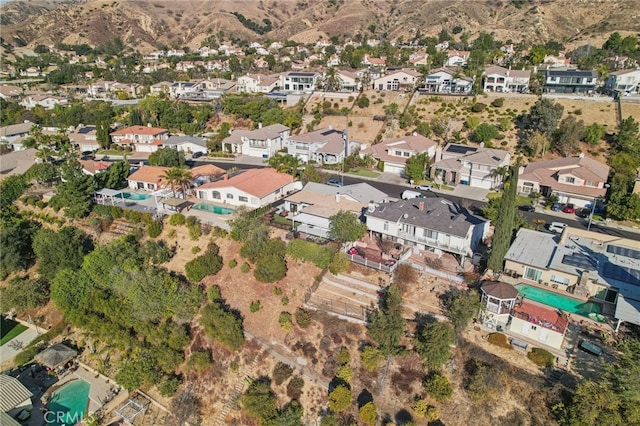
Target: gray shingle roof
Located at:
point(438, 215)
point(178, 140)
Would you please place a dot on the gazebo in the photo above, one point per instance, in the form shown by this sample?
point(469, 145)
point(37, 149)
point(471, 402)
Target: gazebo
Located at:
point(107, 196)
point(56, 355)
point(498, 299)
point(173, 204)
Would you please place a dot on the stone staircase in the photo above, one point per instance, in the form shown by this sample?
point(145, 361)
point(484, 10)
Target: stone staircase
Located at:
point(242, 381)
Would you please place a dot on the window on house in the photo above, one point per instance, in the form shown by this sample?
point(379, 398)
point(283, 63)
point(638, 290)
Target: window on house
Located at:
point(230, 196)
point(606, 294)
point(407, 154)
point(278, 190)
point(215, 195)
point(570, 179)
point(385, 226)
point(559, 280)
point(398, 153)
point(243, 199)
point(532, 274)
point(591, 183)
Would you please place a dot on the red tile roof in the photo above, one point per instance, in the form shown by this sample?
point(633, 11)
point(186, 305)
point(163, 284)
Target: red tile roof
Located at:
point(539, 315)
point(257, 182)
point(139, 130)
point(149, 174)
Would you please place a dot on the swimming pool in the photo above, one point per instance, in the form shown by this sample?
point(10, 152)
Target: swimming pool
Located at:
point(559, 301)
point(134, 196)
point(68, 405)
point(213, 209)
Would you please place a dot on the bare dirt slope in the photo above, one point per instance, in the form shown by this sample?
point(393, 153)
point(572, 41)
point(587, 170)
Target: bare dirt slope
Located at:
point(150, 24)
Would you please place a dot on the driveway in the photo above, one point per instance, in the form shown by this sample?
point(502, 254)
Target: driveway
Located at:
point(470, 192)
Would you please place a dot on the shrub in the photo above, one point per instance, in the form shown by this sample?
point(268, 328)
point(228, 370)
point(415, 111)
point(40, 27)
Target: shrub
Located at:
point(339, 263)
point(195, 231)
point(319, 255)
point(171, 233)
point(405, 275)
point(255, 306)
point(371, 358)
point(368, 413)
point(177, 219)
point(270, 268)
point(438, 387)
point(284, 301)
point(472, 122)
point(200, 360)
point(233, 263)
point(154, 229)
point(277, 291)
point(362, 102)
point(245, 268)
point(303, 318)
point(497, 103)
point(281, 372)
point(344, 356)
point(478, 107)
point(345, 373)
point(541, 357)
point(500, 340)
point(423, 409)
point(195, 250)
point(294, 387)
point(207, 264)
point(505, 124)
point(41, 204)
point(340, 399)
point(285, 321)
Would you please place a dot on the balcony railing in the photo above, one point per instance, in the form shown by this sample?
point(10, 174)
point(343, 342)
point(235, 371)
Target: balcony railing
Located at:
point(432, 242)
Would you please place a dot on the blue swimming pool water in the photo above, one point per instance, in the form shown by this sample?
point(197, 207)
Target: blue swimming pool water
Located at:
point(134, 196)
point(68, 405)
point(565, 303)
point(213, 209)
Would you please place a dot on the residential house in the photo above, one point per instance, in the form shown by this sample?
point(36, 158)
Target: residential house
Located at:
point(503, 309)
point(475, 166)
point(162, 88)
point(431, 224)
point(298, 65)
point(325, 146)
point(349, 81)
point(499, 79)
point(206, 90)
point(299, 81)
point(251, 188)
point(131, 90)
point(374, 62)
point(14, 397)
point(256, 83)
point(627, 81)
point(312, 207)
point(592, 267)
point(262, 142)
point(11, 133)
point(399, 80)
point(260, 63)
point(92, 167)
point(393, 154)
point(17, 162)
point(457, 58)
point(334, 60)
point(186, 143)
point(579, 180)
point(557, 61)
point(418, 58)
point(99, 89)
point(140, 138)
point(150, 178)
point(449, 81)
point(10, 93)
point(206, 173)
point(31, 72)
point(85, 137)
point(569, 81)
point(45, 101)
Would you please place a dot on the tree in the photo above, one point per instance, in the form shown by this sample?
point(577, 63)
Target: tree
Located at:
point(221, 324)
point(69, 288)
point(259, 400)
point(270, 268)
point(167, 157)
point(332, 81)
point(433, 343)
point(179, 177)
point(627, 139)
point(44, 173)
point(75, 192)
point(207, 264)
point(22, 293)
point(386, 325)
point(416, 166)
point(504, 223)
point(345, 227)
point(460, 307)
point(102, 134)
point(485, 133)
point(59, 250)
point(567, 137)
point(544, 116)
point(368, 413)
point(535, 144)
point(16, 238)
point(594, 133)
point(438, 386)
point(340, 399)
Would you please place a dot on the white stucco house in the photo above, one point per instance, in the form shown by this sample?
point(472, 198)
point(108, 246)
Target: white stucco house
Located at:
point(326, 146)
point(475, 166)
point(393, 154)
point(186, 143)
point(446, 80)
point(399, 80)
point(499, 79)
point(263, 142)
point(140, 138)
point(297, 81)
point(252, 188)
point(627, 81)
point(256, 83)
point(431, 224)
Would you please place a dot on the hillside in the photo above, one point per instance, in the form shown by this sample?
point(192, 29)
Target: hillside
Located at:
point(150, 24)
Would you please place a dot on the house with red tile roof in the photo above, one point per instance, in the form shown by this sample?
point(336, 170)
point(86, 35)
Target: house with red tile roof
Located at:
point(252, 188)
point(149, 178)
point(578, 180)
point(92, 167)
point(394, 153)
point(140, 138)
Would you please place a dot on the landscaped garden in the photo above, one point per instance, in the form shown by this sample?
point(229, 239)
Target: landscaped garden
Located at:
point(9, 329)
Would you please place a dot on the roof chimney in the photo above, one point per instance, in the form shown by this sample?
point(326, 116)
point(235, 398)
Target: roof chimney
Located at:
point(260, 125)
point(563, 236)
point(338, 197)
point(421, 206)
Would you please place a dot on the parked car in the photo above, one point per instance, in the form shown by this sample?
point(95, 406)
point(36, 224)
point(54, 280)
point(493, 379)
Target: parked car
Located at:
point(569, 208)
point(591, 348)
point(527, 208)
point(197, 154)
point(557, 207)
point(556, 227)
point(408, 195)
point(583, 213)
point(334, 182)
point(424, 187)
point(356, 251)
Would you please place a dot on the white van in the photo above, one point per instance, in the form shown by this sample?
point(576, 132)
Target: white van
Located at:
point(557, 227)
point(408, 195)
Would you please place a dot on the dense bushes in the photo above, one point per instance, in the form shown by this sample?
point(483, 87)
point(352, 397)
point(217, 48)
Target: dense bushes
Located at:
point(24, 293)
point(207, 264)
point(303, 318)
point(311, 252)
point(478, 107)
point(500, 340)
point(222, 324)
point(497, 103)
point(541, 357)
point(154, 229)
point(438, 387)
point(115, 212)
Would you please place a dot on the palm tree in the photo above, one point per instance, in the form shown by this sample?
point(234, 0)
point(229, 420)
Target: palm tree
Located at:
point(499, 174)
point(332, 80)
point(178, 177)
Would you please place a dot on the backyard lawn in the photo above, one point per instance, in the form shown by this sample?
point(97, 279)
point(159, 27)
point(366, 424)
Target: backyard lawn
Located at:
point(9, 329)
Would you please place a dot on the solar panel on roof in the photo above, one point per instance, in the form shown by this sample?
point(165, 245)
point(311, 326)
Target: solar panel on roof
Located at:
point(621, 273)
point(624, 251)
point(579, 260)
point(86, 130)
point(459, 149)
